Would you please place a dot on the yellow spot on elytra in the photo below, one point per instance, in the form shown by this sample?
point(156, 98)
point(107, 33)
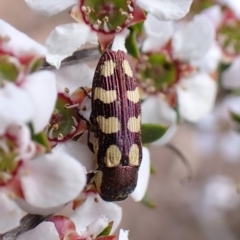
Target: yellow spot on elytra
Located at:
point(127, 69)
point(134, 155)
point(113, 156)
point(106, 96)
point(134, 124)
point(95, 145)
point(108, 125)
point(133, 96)
point(108, 68)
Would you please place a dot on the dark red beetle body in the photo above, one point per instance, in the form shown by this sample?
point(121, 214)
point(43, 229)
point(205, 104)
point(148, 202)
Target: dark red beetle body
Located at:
point(116, 117)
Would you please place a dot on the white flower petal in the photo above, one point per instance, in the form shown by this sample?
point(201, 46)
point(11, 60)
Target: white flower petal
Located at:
point(158, 33)
point(22, 135)
point(143, 177)
point(98, 225)
point(90, 210)
point(166, 9)
point(214, 14)
point(19, 43)
point(87, 102)
point(79, 151)
point(119, 41)
point(66, 39)
point(196, 96)
point(73, 77)
point(234, 5)
point(193, 40)
point(41, 86)
point(49, 8)
point(229, 146)
point(123, 234)
point(15, 105)
point(220, 191)
point(230, 77)
point(26, 207)
point(156, 110)
point(231, 103)
point(10, 213)
point(52, 179)
point(209, 62)
point(43, 231)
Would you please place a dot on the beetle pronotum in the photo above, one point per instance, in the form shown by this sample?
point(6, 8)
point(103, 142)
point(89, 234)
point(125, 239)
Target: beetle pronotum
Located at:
point(116, 118)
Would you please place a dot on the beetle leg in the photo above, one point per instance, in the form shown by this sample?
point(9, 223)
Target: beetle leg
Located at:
point(84, 119)
point(86, 92)
point(90, 144)
point(90, 128)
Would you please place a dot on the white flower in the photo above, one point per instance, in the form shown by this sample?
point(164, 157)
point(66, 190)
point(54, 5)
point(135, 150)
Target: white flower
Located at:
point(15, 105)
point(230, 77)
point(28, 101)
point(73, 77)
point(220, 192)
point(30, 181)
point(210, 61)
point(66, 39)
point(195, 91)
point(86, 222)
point(211, 204)
point(234, 5)
point(94, 208)
point(162, 9)
point(123, 234)
point(25, 99)
point(45, 230)
point(225, 22)
point(43, 189)
point(17, 43)
point(218, 132)
point(196, 96)
point(143, 177)
point(10, 212)
point(157, 110)
point(41, 88)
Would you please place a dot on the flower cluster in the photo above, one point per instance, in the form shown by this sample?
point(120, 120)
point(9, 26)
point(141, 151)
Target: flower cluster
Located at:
point(46, 166)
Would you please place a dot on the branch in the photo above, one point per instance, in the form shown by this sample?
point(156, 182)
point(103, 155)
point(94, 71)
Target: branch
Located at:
point(80, 56)
point(184, 161)
point(30, 221)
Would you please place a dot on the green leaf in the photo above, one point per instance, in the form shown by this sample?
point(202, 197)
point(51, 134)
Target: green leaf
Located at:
point(146, 201)
point(138, 28)
point(152, 132)
point(235, 117)
point(131, 44)
point(41, 138)
point(152, 170)
point(36, 64)
point(106, 231)
point(8, 70)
